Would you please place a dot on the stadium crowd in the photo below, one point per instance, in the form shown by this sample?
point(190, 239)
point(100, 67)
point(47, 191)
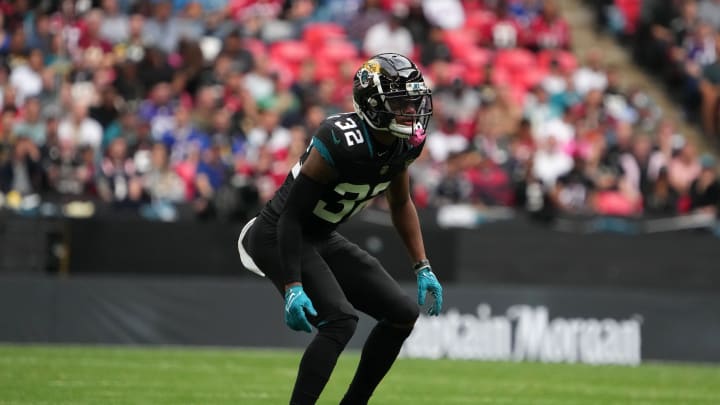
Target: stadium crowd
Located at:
point(161, 107)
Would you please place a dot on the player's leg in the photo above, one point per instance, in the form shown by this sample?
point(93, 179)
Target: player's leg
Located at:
point(371, 290)
point(336, 319)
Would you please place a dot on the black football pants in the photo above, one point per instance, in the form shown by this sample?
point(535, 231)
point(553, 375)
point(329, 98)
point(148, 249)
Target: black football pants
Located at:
point(340, 278)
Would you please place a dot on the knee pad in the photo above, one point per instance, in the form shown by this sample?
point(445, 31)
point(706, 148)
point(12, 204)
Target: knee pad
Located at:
point(339, 330)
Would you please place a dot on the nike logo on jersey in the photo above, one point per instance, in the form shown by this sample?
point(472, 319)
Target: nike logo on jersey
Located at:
point(381, 154)
point(337, 141)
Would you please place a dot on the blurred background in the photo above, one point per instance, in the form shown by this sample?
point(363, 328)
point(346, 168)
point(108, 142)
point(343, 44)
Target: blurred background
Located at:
point(570, 163)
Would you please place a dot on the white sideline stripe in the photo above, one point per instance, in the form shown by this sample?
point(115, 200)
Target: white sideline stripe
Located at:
point(245, 258)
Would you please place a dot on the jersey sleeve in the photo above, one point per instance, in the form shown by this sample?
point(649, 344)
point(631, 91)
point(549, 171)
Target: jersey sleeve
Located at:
point(323, 142)
point(331, 144)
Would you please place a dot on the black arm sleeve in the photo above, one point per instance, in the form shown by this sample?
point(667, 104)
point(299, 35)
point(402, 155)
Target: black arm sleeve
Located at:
point(304, 194)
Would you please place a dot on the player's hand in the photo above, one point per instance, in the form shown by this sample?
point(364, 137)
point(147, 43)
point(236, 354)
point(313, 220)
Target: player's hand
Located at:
point(296, 304)
point(428, 283)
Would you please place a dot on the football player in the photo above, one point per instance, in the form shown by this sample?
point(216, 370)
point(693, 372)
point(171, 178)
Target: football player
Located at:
point(325, 278)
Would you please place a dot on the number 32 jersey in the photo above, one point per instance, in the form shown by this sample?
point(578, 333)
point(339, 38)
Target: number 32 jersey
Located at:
point(365, 171)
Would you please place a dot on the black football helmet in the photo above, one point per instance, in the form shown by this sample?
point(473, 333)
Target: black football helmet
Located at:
point(390, 94)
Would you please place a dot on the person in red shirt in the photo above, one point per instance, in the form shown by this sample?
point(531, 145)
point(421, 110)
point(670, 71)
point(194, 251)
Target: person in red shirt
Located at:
point(549, 30)
point(90, 34)
point(505, 31)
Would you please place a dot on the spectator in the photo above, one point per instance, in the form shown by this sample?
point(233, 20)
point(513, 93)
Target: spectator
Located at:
point(492, 144)
point(115, 27)
point(446, 141)
point(158, 109)
point(106, 112)
point(447, 14)
point(162, 30)
point(31, 126)
point(207, 101)
point(131, 48)
point(705, 190)
point(491, 184)
point(91, 40)
point(661, 199)
point(242, 58)
point(684, 168)
point(709, 10)
point(574, 191)
point(460, 103)
point(22, 173)
point(592, 75)
point(505, 32)
point(434, 48)
point(708, 87)
point(210, 176)
point(268, 133)
point(118, 183)
point(163, 186)
point(549, 30)
point(27, 77)
point(636, 165)
point(78, 129)
point(390, 35)
point(369, 15)
point(155, 68)
point(454, 187)
point(259, 82)
point(550, 162)
point(539, 110)
point(40, 36)
point(183, 136)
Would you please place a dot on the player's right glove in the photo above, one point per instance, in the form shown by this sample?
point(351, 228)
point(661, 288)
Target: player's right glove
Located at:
point(428, 283)
point(296, 304)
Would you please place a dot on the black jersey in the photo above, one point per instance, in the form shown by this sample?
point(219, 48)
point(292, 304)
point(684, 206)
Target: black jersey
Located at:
point(365, 170)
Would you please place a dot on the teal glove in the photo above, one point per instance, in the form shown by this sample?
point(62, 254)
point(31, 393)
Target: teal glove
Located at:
point(296, 304)
point(427, 282)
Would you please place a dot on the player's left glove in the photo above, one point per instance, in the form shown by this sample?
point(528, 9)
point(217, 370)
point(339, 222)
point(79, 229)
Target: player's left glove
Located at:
point(297, 304)
point(428, 283)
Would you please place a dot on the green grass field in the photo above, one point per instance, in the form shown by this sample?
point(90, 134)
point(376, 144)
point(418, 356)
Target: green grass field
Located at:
point(158, 376)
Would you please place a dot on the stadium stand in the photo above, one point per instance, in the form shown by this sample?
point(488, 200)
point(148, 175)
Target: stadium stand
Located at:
point(173, 109)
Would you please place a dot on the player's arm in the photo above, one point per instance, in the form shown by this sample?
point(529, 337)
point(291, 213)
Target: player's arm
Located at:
point(304, 194)
point(404, 216)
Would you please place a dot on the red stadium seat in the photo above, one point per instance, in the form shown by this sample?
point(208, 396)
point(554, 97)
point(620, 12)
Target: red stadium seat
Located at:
point(474, 76)
point(287, 73)
point(529, 78)
point(476, 57)
point(327, 71)
point(338, 51)
point(290, 51)
point(317, 34)
point(479, 21)
point(515, 60)
point(500, 76)
point(567, 60)
point(458, 41)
